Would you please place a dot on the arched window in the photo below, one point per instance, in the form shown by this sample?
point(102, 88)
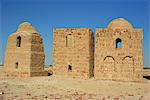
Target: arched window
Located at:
point(118, 43)
point(69, 41)
point(18, 41)
point(66, 41)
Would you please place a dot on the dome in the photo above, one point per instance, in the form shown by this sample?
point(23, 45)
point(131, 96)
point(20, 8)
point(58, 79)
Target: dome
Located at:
point(26, 26)
point(119, 23)
point(25, 29)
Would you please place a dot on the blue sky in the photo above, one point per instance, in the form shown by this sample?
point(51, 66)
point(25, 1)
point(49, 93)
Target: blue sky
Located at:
point(45, 15)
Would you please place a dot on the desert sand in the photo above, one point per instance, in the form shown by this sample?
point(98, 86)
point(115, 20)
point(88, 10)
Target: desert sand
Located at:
point(63, 88)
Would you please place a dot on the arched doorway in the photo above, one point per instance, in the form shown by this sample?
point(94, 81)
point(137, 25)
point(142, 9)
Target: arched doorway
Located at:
point(128, 67)
point(109, 67)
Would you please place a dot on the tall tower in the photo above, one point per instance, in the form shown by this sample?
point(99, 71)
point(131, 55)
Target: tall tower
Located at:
point(24, 53)
point(73, 52)
point(118, 53)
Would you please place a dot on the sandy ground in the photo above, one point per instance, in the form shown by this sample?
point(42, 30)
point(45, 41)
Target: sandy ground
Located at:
point(61, 88)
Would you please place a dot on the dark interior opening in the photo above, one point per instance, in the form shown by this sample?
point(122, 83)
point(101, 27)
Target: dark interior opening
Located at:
point(16, 65)
point(66, 42)
point(49, 74)
point(147, 77)
point(18, 41)
point(118, 43)
point(69, 68)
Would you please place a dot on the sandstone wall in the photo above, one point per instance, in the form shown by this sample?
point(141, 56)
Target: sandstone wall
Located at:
point(73, 52)
point(24, 58)
point(20, 55)
point(37, 54)
point(117, 55)
point(125, 63)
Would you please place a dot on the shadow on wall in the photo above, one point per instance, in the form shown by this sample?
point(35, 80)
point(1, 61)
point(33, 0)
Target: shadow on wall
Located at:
point(146, 77)
point(146, 73)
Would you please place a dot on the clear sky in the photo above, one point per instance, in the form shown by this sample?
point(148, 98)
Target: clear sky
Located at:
point(45, 15)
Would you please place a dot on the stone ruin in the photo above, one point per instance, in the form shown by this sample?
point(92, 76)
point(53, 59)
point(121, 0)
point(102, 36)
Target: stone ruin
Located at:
point(73, 52)
point(117, 55)
point(118, 52)
point(25, 53)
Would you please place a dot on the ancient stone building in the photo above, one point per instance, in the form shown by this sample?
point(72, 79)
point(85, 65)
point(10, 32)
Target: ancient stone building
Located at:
point(118, 52)
point(73, 52)
point(24, 53)
point(117, 55)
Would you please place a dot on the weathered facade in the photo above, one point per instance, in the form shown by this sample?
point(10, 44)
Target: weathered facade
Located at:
point(117, 55)
point(73, 52)
point(118, 52)
point(24, 53)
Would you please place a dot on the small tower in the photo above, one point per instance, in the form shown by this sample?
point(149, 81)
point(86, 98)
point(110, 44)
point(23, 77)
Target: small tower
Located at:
point(73, 52)
point(25, 53)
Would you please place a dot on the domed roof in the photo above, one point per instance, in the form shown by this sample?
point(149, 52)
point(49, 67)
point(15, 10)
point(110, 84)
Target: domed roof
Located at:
point(26, 26)
point(25, 29)
point(119, 23)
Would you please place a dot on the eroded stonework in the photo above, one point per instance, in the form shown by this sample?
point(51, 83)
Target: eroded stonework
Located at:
point(117, 55)
point(118, 52)
point(73, 52)
point(25, 53)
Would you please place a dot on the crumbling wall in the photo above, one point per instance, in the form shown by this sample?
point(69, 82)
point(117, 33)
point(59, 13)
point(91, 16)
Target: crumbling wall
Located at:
point(37, 53)
point(72, 52)
point(24, 53)
point(17, 59)
point(119, 63)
